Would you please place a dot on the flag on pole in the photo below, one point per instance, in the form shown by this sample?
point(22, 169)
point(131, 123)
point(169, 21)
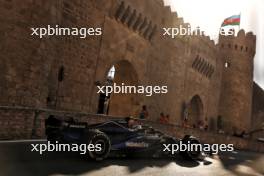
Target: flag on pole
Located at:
point(231, 21)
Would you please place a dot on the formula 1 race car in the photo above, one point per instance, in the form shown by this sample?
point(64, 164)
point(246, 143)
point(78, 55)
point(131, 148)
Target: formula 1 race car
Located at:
point(119, 137)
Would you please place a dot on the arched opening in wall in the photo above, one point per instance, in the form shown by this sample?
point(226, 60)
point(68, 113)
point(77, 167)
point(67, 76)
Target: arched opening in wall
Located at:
point(121, 73)
point(195, 111)
point(104, 99)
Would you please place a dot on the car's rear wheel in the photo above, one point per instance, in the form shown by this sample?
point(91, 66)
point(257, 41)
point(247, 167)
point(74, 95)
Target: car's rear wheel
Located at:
point(98, 138)
point(193, 154)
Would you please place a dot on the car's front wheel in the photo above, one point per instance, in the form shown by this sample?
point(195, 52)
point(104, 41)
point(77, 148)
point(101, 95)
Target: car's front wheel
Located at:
point(102, 145)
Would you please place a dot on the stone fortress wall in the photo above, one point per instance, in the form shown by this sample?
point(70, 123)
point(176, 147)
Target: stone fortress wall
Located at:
point(61, 72)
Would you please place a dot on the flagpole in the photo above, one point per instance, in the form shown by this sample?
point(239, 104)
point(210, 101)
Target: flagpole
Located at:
point(239, 21)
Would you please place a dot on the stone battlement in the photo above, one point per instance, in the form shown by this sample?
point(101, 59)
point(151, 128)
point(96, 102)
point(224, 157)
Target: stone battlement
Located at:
point(243, 42)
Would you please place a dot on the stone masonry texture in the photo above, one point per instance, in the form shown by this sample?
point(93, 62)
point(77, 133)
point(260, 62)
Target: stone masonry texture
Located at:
point(207, 79)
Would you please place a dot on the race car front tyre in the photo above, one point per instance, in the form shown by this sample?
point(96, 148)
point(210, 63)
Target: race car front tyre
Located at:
point(101, 141)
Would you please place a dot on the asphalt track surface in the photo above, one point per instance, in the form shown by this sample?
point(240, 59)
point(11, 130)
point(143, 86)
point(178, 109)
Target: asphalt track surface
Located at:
point(16, 159)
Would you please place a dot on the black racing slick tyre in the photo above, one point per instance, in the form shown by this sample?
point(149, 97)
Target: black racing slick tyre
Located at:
point(195, 154)
point(96, 138)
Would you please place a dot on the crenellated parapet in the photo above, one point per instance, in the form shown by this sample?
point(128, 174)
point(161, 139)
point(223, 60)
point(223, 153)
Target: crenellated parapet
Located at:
point(244, 43)
point(143, 17)
point(203, 39)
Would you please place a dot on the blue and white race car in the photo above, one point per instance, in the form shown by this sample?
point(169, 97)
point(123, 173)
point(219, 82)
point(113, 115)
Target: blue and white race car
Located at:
point(121, 137)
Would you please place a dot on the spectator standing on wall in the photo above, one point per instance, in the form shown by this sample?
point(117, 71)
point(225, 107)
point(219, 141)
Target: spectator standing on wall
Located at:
point(206, 124)
point(162, 118)
point(200, 124)
point(220, 124)
point(144, 112)
point(167, 118)
point(185, 123)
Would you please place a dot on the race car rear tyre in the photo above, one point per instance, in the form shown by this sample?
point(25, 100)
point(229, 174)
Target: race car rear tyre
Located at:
point(191, 154)
point(96, 137)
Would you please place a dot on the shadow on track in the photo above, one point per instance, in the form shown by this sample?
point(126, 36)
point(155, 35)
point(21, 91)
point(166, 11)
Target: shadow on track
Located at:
point(17, 159)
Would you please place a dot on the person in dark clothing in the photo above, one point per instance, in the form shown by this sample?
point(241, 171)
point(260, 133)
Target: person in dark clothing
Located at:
point(144, 112)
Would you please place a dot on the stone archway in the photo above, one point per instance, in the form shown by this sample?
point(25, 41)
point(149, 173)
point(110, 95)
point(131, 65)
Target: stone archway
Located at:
point(123, 104)
point(195, 110)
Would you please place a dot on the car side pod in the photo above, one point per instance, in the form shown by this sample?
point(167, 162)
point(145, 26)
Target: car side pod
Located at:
point(100, 141)
point(196, 154)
